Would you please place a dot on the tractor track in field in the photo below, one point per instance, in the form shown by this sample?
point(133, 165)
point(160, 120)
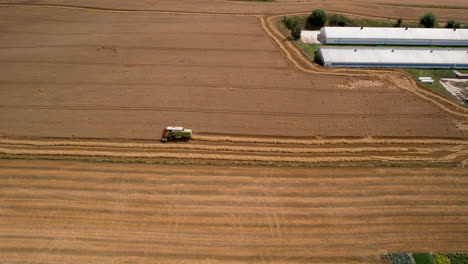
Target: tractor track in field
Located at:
point(222, 149)
point(201, 86)
point(210, 111)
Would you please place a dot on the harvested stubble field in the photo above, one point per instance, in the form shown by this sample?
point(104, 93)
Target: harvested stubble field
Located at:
point(72, 212)
point(249, 151)
point(120, 74)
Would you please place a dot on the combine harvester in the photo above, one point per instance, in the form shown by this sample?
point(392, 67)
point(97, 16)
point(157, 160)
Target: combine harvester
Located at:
point(176, 133)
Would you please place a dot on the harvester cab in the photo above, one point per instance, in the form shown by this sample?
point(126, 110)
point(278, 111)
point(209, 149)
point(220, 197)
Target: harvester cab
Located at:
point(176, 133)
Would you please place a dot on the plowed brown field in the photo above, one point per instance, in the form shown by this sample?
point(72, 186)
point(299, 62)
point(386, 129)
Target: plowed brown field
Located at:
point(115, 74)
point(71, 212)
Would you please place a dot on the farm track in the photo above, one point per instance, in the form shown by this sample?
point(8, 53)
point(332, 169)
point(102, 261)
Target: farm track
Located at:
point(107, 213)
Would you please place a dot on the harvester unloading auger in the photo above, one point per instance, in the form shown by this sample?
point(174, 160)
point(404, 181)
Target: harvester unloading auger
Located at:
point(176, 133)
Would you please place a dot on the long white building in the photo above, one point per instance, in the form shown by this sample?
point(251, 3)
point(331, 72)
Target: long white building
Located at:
point(455, 58)
point(394, 36)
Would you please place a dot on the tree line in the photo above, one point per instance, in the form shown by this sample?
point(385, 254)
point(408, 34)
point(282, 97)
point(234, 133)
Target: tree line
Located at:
point(318, 18)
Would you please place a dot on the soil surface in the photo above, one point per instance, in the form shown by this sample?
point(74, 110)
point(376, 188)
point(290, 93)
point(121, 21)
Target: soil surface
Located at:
point(109, 73)
point(370, 8)
point(72, 212)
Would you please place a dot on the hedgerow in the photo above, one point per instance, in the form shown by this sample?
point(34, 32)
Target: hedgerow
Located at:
point(423, 258)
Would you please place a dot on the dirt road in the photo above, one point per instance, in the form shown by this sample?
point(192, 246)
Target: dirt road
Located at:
point(71, 212)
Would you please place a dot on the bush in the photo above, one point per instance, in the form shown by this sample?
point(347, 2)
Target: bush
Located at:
point(458, 258)
point(287, 21)
point(296, 32)
point(399, 22)
point(429, 20)
point(317, 19)
point(294, 24)
point(450, 23)
point(453, 24)
point(337, 20)
point(423, 258)
point(318, 58)
point(442, 259)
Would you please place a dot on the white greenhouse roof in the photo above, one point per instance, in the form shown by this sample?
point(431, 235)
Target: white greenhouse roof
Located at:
point(395, 33)
point(379, 56)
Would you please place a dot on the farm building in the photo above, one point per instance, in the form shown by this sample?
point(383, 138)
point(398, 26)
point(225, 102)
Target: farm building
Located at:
point(394, 57)
point(394, 36)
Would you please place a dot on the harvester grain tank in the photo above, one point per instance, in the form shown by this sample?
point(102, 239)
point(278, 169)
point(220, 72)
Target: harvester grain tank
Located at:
point(176, 133)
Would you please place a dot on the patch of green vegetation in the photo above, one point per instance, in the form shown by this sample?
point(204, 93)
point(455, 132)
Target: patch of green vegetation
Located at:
point(459, 258)
point(302, 20)
point(399, 258)
point(436, 74)
point(357, 21)
point(308, 49)
point(366, 22)
point(442, 259)
point(463, 71)
point(423, 258)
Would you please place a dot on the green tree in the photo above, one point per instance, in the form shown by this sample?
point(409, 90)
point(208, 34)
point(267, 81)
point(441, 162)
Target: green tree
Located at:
point(399, 22)
point(337, 20)
point(296, 32)
point(294, 24)
point(318, 58)
point(317, 19)
point(287, 21)
point(450, 23)
point(453, 24)
point(429, 20)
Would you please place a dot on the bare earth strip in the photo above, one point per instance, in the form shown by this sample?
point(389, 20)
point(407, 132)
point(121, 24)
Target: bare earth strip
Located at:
point(71, 212)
